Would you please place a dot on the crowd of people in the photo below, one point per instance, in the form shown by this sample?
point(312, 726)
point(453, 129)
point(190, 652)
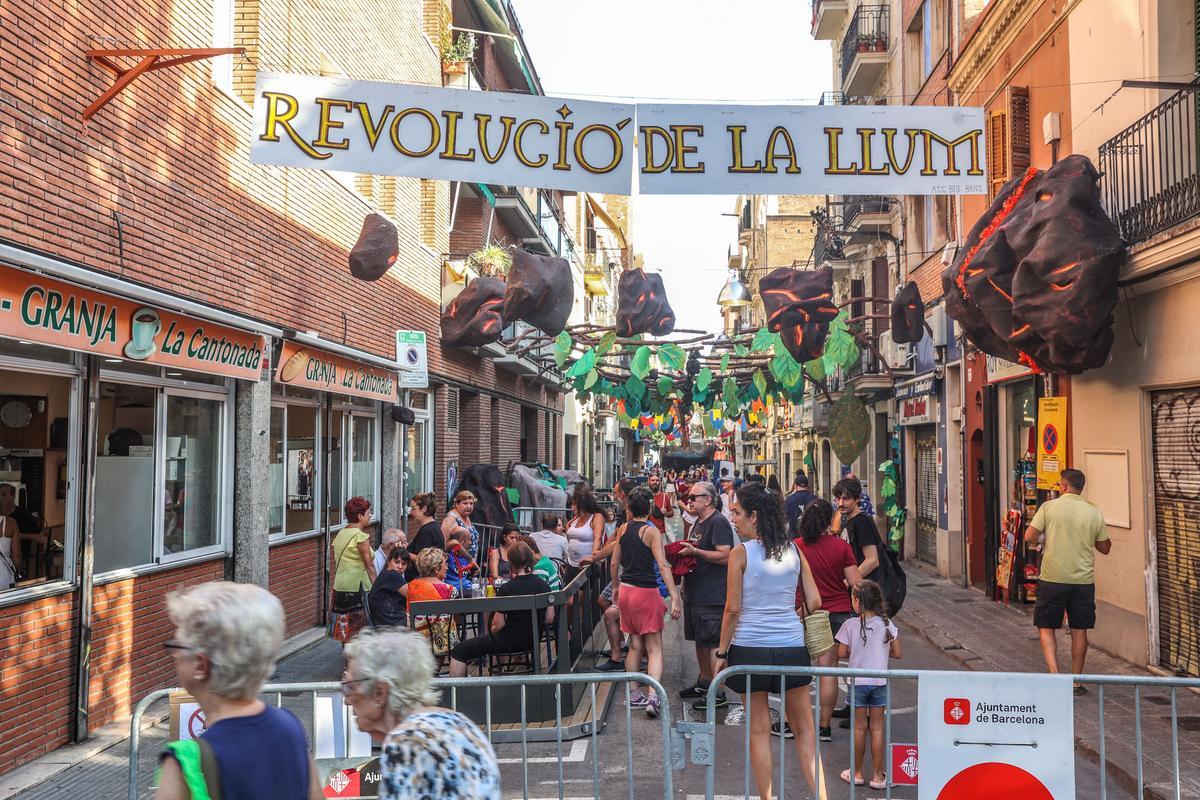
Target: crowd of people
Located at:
point(758, 578)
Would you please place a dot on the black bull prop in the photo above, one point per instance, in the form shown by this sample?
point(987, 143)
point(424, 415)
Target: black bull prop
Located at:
point(1036, 280)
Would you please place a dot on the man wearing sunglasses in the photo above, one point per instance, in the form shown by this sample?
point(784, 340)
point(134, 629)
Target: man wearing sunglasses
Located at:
point(704, 587)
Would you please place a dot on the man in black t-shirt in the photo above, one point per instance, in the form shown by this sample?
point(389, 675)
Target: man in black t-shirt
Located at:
point(796, 501)
point(858, 528)
point(704, 587)
point(509, 631)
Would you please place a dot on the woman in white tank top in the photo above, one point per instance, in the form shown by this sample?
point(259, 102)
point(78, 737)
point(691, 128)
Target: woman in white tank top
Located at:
point(761, 628)
point(585, 530)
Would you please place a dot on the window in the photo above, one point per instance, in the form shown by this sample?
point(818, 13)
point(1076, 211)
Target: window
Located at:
point(418, 450)
point(352, 461)
point(294, 440)
point(1008, 138)
point(161, 474)
point(926, 40)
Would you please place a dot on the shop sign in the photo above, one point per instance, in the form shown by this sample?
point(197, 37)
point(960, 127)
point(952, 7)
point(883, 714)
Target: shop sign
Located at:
point(1052, 441)
point(995, 735)
point(510, 139)
point(413, 358)
point(915, 388)
point(918, 410)
point(38, 309)
point(999, 369)
point(301, 365)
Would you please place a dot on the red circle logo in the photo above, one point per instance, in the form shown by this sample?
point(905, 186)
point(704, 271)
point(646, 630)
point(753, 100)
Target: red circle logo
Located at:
point(993, 781)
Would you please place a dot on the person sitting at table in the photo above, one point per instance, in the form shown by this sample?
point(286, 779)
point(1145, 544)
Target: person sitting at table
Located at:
point(440, 629)
point(385, 601)
point(544, 566)
point(461, 568)
point(509, 632)
point(498, 556)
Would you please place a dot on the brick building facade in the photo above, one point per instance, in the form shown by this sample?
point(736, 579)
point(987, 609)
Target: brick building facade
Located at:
point(154, 202)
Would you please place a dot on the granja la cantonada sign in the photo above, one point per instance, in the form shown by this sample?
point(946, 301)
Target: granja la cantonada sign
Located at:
point(577, 145)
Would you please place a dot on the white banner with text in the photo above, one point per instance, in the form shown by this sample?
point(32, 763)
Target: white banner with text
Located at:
point(577, 145)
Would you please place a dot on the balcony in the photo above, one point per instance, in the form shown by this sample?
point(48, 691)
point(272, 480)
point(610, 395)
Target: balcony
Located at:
point(868, 375)
point(827, 17)
point(597, 276)
point(527, 364)
point(865, 50)
point(532, 217)
point(867, 213)
point(1149, 178)
point(836, 98)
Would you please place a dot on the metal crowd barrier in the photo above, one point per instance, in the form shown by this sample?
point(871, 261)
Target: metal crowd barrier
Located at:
point(588, 683)
point(702, 735)
point(530, 517)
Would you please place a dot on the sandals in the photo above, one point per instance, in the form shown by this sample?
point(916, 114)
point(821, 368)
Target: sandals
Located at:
point(856, 781)
point(883, 784)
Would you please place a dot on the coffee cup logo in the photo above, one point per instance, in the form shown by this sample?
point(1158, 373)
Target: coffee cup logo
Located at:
point(143, 328)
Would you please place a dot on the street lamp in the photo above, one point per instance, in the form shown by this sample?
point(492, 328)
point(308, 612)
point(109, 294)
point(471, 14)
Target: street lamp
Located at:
point(734, 294)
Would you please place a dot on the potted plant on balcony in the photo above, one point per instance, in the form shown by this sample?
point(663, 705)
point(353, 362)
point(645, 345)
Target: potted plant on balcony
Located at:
point(456, 52)
point(491, 261)
point(864, 44)
point(880, 44)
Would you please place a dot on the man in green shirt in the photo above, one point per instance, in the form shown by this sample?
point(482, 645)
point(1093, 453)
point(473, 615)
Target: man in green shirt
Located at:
point(1074, 529)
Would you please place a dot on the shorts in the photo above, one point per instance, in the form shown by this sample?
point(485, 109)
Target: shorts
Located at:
point(1078, 600)
point(837, 619)
point(768, 657)
point(870, 696)
point(477, 647)
point(606, 593)
point(642, 610)
point(702, 624)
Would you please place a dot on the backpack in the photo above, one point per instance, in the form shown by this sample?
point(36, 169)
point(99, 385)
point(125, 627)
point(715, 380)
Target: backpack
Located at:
point(198, 763)
point(892, 580)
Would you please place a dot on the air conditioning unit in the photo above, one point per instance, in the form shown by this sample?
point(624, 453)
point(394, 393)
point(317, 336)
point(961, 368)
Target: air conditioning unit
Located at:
point(937, 321)
point(896, 356)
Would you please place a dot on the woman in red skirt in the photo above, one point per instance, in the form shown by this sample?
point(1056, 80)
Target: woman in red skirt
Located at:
point(635, 593)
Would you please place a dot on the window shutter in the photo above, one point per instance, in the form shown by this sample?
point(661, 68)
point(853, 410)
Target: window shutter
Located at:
point(1018, 122)
point(997, 150)
point(880, 288)
point(857, 289)
point(451, 408)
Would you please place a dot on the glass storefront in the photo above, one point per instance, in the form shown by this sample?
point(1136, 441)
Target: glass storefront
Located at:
point(295, 441)
point(418, 449)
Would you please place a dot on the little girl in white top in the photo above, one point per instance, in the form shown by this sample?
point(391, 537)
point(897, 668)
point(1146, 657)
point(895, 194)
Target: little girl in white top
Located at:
point(868, 641)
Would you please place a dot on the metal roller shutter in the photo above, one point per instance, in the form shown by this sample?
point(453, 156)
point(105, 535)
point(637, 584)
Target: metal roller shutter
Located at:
point(927, 499)
point(1175, 420)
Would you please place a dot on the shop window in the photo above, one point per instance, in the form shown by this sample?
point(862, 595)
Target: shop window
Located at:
point(293, 469)
point(160, 475)
point(362, 457)
point(36, 352)
point(334, 507)
point(353, 461)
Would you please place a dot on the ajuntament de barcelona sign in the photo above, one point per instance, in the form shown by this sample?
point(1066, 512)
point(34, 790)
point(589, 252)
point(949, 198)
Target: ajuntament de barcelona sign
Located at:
point(580, 145)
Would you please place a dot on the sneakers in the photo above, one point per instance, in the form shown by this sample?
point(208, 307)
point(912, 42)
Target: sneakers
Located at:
point(611, 666)
point(721, 702)
point(782, 728)
point(826, 734)
point(652, 707)
point(638, 700)
point(697, 689)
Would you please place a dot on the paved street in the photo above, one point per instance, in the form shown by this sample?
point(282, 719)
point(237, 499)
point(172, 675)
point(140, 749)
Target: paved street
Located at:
point(942, 626)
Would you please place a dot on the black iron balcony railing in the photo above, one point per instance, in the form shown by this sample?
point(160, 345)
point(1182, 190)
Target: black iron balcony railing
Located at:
point(855, 205)
point(837, 98)
point(1149, 170)
point(868, 33)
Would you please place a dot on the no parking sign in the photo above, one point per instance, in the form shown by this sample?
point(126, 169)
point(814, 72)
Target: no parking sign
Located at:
point(987, 736)
point(1052, 441)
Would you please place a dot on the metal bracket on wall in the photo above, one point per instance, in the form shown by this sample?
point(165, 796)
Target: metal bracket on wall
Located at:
point(150, 60)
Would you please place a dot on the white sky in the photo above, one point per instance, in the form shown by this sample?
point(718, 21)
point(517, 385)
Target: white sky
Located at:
point(703, 50)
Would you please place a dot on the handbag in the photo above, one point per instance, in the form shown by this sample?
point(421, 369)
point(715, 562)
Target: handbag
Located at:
point(198, 763)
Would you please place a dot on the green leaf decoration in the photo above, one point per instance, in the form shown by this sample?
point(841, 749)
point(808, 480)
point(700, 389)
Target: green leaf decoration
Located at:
point(888, 488)
point(763, 340)
point(786, 371)
point(634, 388)
point(849, 427)
point(839, 322)
point(562, 348)
point(585, 364)
point(760, 382)
point(606, 343)
point(590, 379)
point(725, 363)
point(704, 380)
point(639, 366)
point(815, 369)
point(665, 385)
point(740, 350)
point(888, 466)
point(730, 392)
point(672, 357)
point(840, 350)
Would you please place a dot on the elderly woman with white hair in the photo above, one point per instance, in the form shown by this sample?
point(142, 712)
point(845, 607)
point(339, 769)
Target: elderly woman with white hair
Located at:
point(227, 637)
point(427, 751)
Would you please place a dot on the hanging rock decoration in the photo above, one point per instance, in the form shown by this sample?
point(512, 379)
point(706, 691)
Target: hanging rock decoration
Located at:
point(908, 315)
point(376, 250)
point(642, 305)
point(805, 342)
point(797, 297)
point(849, 427)
point(1036, 281)
point(540, 291)
point(474, 318)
